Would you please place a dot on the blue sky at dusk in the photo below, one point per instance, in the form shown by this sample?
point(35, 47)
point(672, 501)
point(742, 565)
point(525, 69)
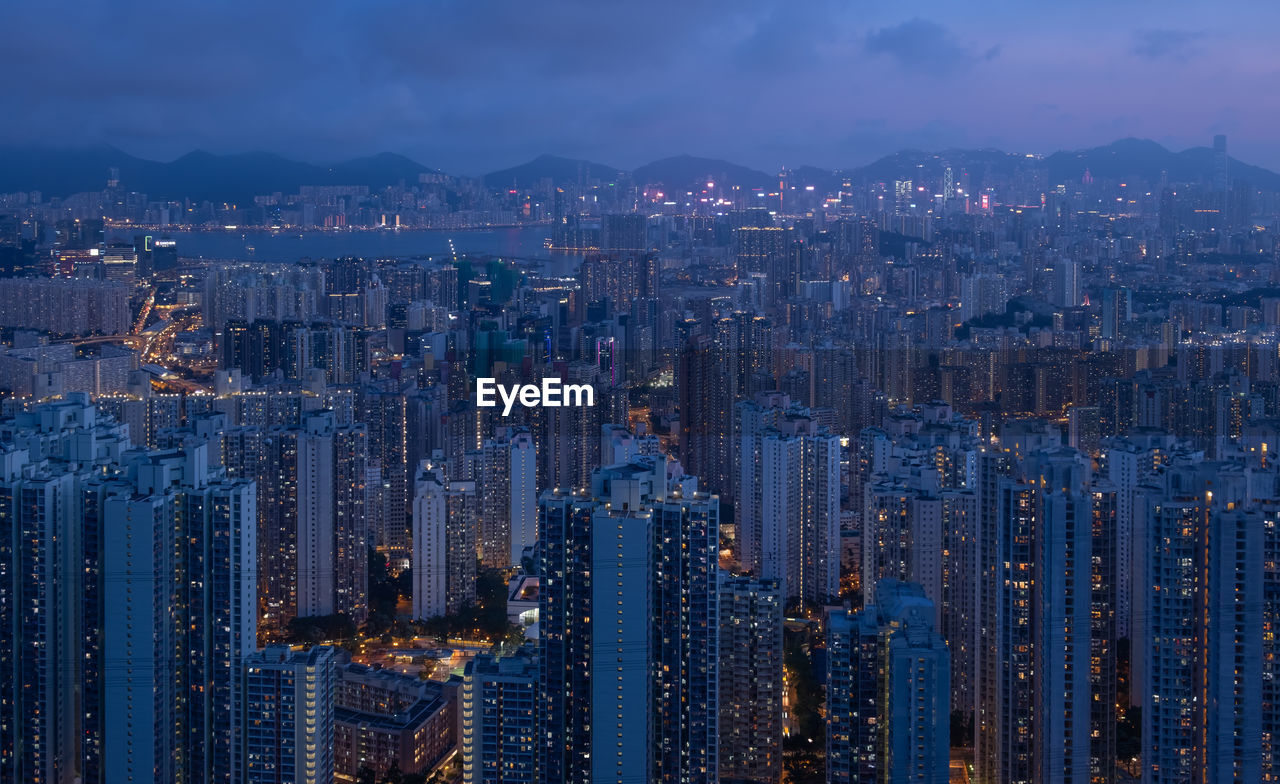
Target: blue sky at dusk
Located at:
point(474, 86)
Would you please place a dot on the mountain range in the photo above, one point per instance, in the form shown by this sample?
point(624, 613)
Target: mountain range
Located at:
point(201, 175)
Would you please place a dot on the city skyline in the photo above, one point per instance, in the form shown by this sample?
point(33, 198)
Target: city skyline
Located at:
point(917, 425)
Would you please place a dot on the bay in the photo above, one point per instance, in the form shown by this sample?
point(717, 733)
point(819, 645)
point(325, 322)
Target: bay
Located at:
point(515, 243)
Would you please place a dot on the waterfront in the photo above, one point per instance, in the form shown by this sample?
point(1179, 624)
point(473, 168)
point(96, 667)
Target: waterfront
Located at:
point(289, 246)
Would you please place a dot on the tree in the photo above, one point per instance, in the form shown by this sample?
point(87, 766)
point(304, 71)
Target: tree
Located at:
point(314, 629)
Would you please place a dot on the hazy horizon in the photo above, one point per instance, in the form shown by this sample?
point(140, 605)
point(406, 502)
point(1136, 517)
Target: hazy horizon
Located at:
point(764, 168)
point(761, 84)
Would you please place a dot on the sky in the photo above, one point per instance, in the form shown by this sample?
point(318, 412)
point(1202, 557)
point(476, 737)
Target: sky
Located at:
point(471, 86)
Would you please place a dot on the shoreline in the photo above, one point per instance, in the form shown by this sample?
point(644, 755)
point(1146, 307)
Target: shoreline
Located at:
point(286, 231)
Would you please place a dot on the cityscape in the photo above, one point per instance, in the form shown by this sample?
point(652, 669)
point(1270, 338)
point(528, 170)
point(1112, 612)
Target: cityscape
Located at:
point(955, 463)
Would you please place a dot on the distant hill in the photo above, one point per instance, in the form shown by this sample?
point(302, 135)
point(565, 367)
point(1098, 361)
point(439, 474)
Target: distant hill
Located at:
point(198, 175)
point(201, 175)
point(821, 179)
point(386, 168)
point(550, 167)
point(1127, 158)
point(686, 171)
point(910, 164)
point(1148, 160)
point(60, 172)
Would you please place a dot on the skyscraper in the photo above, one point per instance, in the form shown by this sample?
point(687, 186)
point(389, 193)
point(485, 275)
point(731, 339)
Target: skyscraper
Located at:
point(888, 691)
point(290, 697)
point(751, 680)
point(1220, 161)
point(142, 630)
point(706, 397)
point(1006, 682)
point(1048, 537)
point(39, 609)
point(614, 667)
point(504, 470)
point(498, 708)
point(564, 638)
point(1205, 542)
point(332, 561)
point(685, 627)
point(163, 608)
point(1069, 574)
point(444, 543)
point(222, 590)
point(789, 527)
point(623, 692)
point(178, 619)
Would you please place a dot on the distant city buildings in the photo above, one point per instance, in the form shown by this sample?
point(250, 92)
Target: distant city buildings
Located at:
point(65, 307)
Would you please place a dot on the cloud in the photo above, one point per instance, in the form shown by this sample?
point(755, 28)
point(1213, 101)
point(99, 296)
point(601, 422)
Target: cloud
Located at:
point(1167, 44)
point(473, 86)
point(922, 45)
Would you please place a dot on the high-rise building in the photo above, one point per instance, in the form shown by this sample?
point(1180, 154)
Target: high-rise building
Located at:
point(1044, 683)
point(621, 670)
point(570, 447)
point(1205, 541)
point(289, 696)
point(706, 396)
point(393, 456)
point(758, 246)
point(141, 686)
point(444, 543)
point(1103, 640)
point(1270, 661)
point(68, 307)
point(277, 470)
point(1073, 587)
point(350, 563)
point(222, 590)
point(504, 470)
point(523, 517)
point(1006, 677)
point(751, 681)
point(958, 611)
point(886, 535)
point(685, 645)
point(498, 708)
point(39, 608)
point(1130, 465)
point(1066, 281)
point(888, 691)
point(160, 614)
point(1117, 311)
point(177, 626)
point(612, 670)
point(789, 511)
point(312, 527)
point(1221, 180)
point(564, 638)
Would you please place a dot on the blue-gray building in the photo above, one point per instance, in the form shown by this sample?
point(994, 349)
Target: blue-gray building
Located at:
point(888, 691)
